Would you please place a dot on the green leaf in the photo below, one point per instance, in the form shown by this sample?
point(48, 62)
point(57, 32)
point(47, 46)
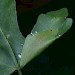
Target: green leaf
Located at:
point(50, 20)
point(48, 28)
point(7, 59)
point(35, 43)
point(62, 13)
point(66, 25)
point(11, 40)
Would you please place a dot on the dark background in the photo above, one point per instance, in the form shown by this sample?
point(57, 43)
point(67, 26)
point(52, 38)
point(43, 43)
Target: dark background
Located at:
point(58, 58)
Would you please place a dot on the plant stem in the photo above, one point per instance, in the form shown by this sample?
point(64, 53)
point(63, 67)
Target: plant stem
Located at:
point(19, 72)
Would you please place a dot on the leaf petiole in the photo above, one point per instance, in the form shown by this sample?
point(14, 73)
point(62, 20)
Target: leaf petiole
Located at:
point(19, 72)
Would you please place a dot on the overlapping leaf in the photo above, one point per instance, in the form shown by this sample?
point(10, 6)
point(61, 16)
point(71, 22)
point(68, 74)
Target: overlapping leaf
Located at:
point(49, 27)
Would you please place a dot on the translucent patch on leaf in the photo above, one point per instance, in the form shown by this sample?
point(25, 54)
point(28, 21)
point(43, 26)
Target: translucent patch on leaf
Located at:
point(19, 55)
point(36, 32)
